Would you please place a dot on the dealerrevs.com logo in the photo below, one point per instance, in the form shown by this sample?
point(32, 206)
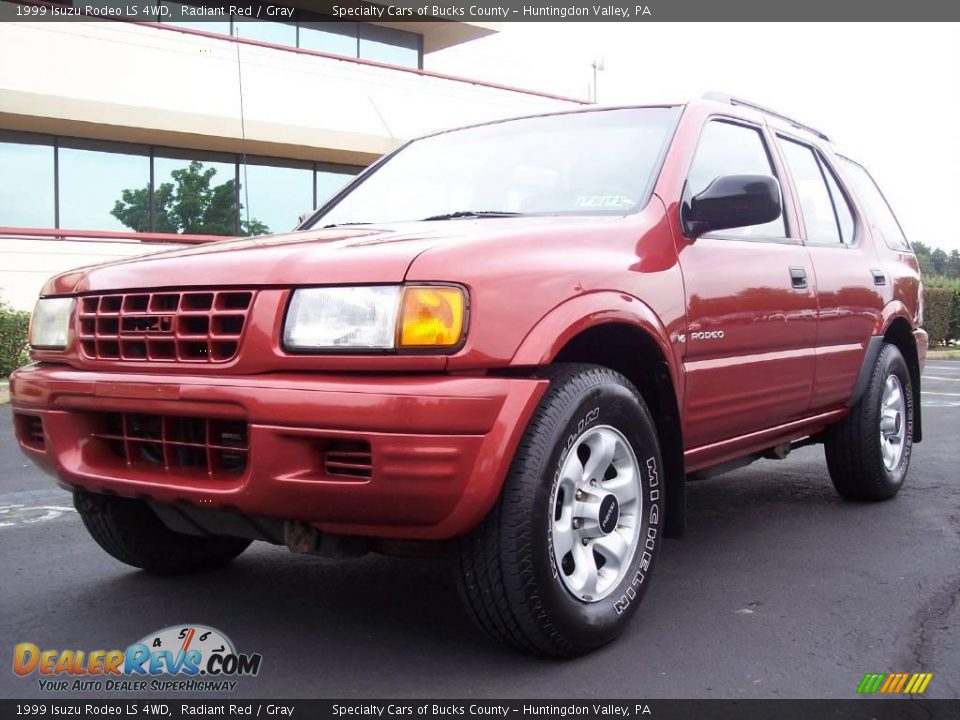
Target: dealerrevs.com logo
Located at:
point(177, 658)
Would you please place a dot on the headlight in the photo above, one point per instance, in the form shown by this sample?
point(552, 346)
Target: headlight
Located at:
point(375, 317)
point(50, 323)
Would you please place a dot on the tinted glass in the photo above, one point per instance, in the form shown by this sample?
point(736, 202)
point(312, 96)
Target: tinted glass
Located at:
point(600, 162)
point(26, 185)
point(816, 204)
point(840, 204)
point(98, 185)
point(266, 31)
point(728, 149)
point(339, 38)
point(277, 196)
point(194, 194)
point(881, 218)
point(387, 45)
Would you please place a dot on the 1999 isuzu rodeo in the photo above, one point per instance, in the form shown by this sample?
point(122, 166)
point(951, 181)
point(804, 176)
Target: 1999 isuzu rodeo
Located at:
point(515, 340)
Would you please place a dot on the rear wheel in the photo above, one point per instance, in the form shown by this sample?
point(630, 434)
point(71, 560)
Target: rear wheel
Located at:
point(560, 564)
point(131, 532)
point(868, 452)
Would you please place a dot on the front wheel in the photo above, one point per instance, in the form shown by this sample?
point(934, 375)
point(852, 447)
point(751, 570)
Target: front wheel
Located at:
point(132, 533)
point(868, 452)
point(562, 561)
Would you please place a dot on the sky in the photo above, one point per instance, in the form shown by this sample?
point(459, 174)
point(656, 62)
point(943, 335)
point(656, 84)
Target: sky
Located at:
point(888, 94)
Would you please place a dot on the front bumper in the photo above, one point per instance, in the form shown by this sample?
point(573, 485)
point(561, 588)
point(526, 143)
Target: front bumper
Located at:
point(439, 446)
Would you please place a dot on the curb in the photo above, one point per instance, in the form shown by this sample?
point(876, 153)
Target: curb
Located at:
point(4, 392)
point(943, 354)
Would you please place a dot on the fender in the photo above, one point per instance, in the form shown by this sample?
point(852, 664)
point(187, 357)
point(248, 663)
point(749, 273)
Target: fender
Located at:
point(892, 311)
point(571, 317)
point(554, 330)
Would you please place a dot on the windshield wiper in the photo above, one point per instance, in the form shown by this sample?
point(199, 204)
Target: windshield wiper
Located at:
point(334, 225)
point(472, 214)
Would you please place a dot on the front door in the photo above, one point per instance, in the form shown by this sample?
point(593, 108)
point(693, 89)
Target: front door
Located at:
point(751, 306)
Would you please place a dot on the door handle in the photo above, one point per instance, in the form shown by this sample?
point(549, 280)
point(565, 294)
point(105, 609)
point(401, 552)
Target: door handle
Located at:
point(879, 277)
point(798, 278)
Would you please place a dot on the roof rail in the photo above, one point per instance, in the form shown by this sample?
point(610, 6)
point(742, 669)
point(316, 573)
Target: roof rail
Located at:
point(730, 100)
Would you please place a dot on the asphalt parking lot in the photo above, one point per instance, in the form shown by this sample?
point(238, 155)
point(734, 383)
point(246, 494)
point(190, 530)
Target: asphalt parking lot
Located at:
point(779, 589)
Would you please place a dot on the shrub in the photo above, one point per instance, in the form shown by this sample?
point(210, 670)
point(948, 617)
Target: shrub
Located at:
point(937, 313)
point(13, 339)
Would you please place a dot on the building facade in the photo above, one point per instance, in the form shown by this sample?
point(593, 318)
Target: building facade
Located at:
point(119, 137)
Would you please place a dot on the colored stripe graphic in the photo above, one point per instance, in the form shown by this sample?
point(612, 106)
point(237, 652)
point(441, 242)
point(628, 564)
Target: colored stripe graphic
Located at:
point(871, 682)
point(894, 683)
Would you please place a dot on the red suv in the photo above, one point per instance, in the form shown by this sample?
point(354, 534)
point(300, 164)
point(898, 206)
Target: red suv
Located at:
point(512, 343)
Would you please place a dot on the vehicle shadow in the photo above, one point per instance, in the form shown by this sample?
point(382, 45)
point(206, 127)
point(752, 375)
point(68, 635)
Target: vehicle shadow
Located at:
point(383, 626)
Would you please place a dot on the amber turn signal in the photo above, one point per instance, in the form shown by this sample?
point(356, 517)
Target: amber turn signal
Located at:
point(431, 316)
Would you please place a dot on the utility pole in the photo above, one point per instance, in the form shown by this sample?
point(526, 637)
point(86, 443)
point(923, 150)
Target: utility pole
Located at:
point(597, 66)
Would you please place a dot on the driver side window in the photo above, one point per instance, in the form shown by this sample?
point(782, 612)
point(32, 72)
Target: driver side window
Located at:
point(726, 148)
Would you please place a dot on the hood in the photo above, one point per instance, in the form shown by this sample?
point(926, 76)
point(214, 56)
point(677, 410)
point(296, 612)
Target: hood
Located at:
point(369, 254)
point(363, 254)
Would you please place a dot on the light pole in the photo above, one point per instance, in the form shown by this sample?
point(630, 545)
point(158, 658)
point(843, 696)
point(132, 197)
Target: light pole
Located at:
point(597, 66)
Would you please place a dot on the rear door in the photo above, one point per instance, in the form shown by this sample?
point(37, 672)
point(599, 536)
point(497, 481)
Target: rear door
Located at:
point(750, 301)
point(849, 278)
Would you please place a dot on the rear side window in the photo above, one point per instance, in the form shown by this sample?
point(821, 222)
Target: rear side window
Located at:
point(729, 149)
point(826, 213)
point(881, 218)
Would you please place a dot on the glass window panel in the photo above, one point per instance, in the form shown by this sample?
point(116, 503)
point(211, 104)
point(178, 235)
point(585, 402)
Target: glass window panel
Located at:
point(388, 45)
point(195, 194)
point(184, 15)
point(815, 203)
point(277, 196)
point(103, 189)
point(330, 181)
point(330, 37)
point(26, 184)
point(728, 149)
point(879, 213)
point(840, 204)
point(266, 31)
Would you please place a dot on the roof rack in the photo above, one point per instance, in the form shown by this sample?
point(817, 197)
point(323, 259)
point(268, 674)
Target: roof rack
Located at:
point(730, 100)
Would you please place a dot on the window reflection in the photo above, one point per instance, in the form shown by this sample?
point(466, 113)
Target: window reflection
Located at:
point(96, 181)
point(330, 180)
point(331, 37)
point(194, 194)
point(277, 196)
point(107, 186)
point(26, 184)
point(387, 45)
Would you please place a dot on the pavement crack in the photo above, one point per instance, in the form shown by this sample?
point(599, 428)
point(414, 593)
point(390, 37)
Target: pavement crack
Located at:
point(929, 619)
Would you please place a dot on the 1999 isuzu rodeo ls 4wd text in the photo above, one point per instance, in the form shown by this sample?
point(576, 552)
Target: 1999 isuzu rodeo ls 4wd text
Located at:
point(512, 342)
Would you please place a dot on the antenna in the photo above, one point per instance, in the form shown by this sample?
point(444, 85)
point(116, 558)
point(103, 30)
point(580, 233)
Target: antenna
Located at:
point(243, 141)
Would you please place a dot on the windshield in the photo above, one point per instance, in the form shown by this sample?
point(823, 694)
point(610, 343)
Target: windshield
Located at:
point(601, 162)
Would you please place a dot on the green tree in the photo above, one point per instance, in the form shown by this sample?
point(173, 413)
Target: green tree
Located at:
point(953, 265)
point(939, 259)
point(190, 204)
point(922, 252)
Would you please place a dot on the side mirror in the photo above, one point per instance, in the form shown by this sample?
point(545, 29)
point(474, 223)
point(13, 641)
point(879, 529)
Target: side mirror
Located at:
point(731, 201)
